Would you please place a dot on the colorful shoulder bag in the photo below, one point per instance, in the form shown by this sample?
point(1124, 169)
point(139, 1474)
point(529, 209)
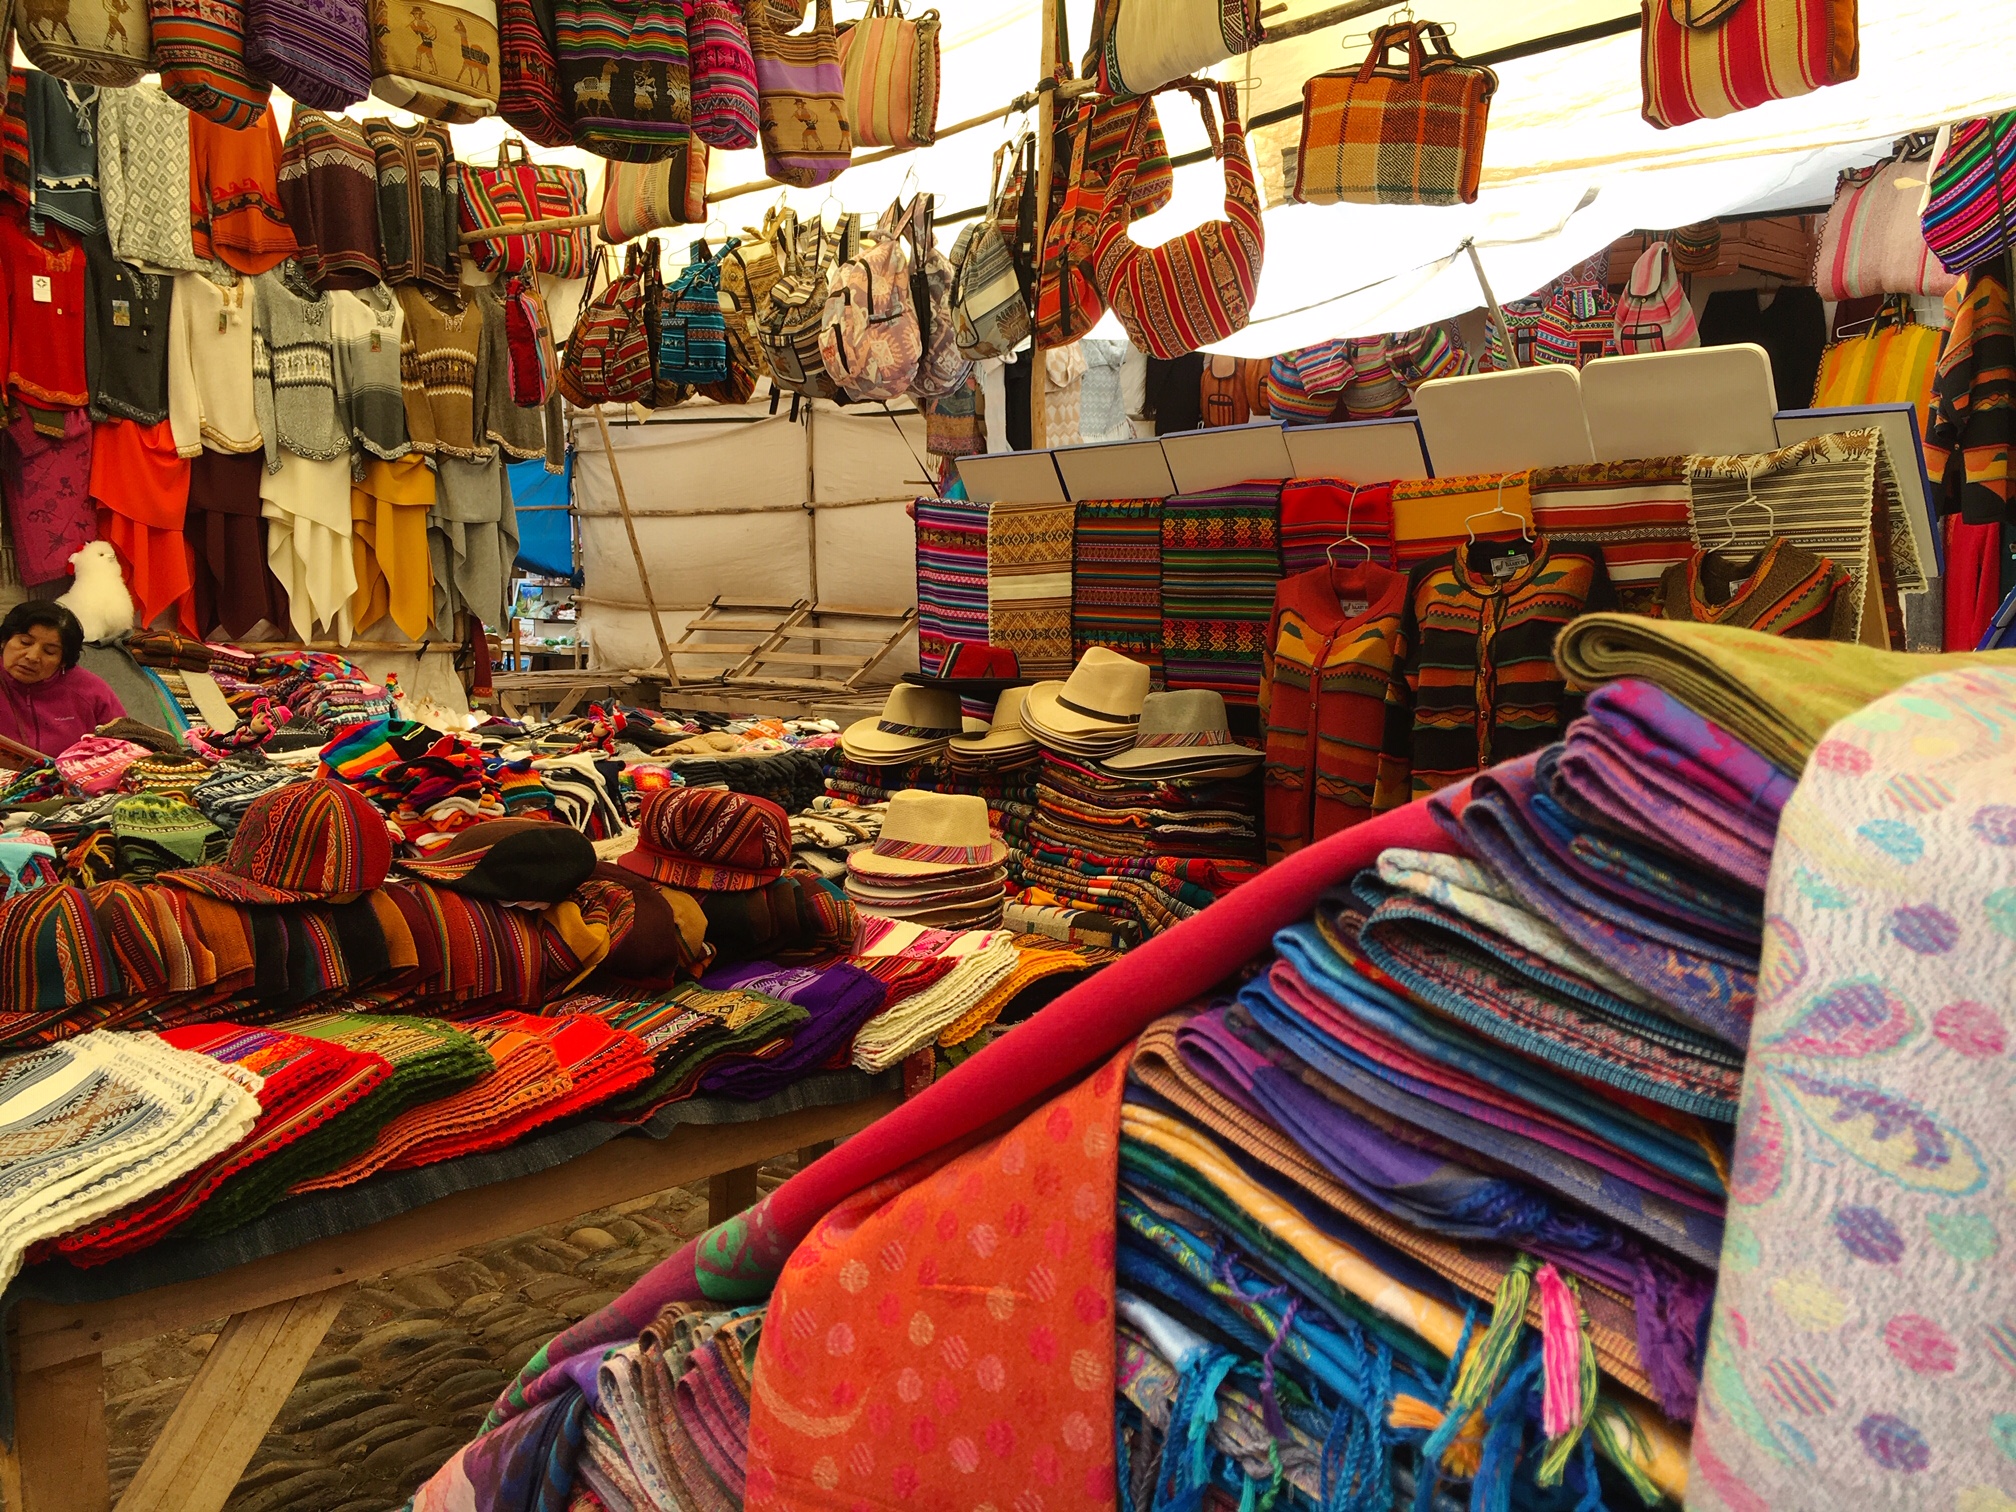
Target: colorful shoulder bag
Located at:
point(806, 136)
point(518, 189)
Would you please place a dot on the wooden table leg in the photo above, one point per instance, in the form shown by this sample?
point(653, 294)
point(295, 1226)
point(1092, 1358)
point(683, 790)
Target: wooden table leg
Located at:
point(59, 1459)
point(809, 1153)
point(730, 1192)
point(209, 1439)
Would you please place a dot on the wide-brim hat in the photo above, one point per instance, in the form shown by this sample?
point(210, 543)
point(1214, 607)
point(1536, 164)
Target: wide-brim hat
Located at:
point(1181, 731)
point(930, 835)
point(1005, 734)
point(1101, 699)
point(925, 894)
point(319, 841)
point(710, 840)
point(511, 861)
point(914, 721)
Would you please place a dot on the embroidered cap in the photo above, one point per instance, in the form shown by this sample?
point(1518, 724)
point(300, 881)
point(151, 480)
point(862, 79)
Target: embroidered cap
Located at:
point(930, 835)
point(710, 840)
point(915, 721)
point(317, 841)
point(1182, 732)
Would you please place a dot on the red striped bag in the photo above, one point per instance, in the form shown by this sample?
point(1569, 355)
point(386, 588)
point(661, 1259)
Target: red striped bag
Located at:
point(724, 75)
point(1198, 287)
point(199, 46)
point(518, 189)
point(1706, 58)
point(1653, 314)
point(528, 73)
point(1873, 241)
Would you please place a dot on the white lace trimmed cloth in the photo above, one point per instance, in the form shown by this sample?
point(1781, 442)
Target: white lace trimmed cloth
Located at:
point(987, 956)
point(99, 1122)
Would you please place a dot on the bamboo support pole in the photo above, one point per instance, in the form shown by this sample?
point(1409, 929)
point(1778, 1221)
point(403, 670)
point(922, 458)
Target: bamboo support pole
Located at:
point(636, 551)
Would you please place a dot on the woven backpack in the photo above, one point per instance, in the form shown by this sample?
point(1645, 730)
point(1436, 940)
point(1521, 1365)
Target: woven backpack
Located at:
point(1653, 314)
point(788, 327)
point(609, 358)
point(692, 334)
point(990, 317)
point(943, 367)
point(869, 336)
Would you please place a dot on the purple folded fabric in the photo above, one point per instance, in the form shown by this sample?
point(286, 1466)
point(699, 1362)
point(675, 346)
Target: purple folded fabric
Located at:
point(1704, 982)
point(840, 999)
point(716, 1416)
point(1644, 764)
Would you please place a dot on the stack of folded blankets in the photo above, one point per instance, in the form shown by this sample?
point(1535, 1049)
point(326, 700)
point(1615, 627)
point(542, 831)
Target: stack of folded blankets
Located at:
point(934, 863)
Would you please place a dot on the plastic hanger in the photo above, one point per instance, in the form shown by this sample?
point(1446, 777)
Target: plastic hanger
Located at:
point(1349, 538)
point(1497, 508)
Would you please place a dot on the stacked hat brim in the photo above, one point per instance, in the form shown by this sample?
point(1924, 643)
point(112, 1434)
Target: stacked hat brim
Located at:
point(935, 863)
point(1183, 734)
point(1003, 743)
point(915, 722)
point(1093, 714)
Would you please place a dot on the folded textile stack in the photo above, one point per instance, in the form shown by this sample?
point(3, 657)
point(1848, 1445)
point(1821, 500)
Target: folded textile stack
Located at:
point(1093, 713)
point(934, 863)
point(690, 1031)
point(102, 1121)
point(838, 999)
point(984, 960)
point(827, 828)
point(915, 724)
point(1116, 580)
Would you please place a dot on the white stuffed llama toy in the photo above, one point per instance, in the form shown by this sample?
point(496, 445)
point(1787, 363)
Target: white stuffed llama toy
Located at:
point(99, 598)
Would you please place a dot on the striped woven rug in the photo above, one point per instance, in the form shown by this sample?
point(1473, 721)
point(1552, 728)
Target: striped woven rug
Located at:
point(1318, 512)
point(1221, 557)
point(951, 577)
point(1116, 586)
point(1029, 585)
point(1636, 512)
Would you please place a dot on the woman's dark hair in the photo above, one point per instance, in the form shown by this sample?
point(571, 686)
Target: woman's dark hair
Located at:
point(42, 613)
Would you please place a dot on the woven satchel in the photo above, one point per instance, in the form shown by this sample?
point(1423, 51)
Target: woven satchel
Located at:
point(639, 198)
point(199, 46)
point(436, 58)
point(625, 76)
point(109, 45)
point(807, 140)
point(724, 75)
point(1396, 134)
point(518, 189)
point(1873, 241)
point(1198, 287)
point(528, 75)
point(1138, 46)
point(1706, 58)
point(890, 65)
point(990, 318)
point(1967, 217)
point(315, 51)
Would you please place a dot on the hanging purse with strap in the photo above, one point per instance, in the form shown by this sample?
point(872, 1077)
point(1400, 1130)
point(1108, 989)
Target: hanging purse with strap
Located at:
point(436, 58)
point(316, 52)
point(515, 190)
point(1385, 133)
point(624, 73)
point(806, 137)
point(989, 316)
point(890, 65)
point(1653, 314)
point(1972, 189)
point(1873, 241)
point(724, 75)
point(1138, 46)
point(1705, 58)
point(639, 198)
point(528, 339)
point(528, 77)
point(1197, 287)
point(1068, 298)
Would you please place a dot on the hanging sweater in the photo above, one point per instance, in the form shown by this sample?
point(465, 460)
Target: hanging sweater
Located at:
point(234, 194)
point(438, 353)
point(1973, 434)
point(366, 327)
point(63, 152)
point(329, 188)
point(210, 399)
point(143, 173)
point(419, 199)
point(294, 369)
point(45, 336)
point(1333, 701)
point(1782, 590)
point(521, 430)
point(126, 316)
point(1480, 657)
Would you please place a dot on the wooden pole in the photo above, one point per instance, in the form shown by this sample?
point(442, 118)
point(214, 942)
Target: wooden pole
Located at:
point(636, 551)
point(1491, 302)
point(1046, 128)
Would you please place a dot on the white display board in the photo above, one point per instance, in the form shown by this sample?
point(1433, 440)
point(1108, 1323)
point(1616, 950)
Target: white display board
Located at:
point(1019, 477)
point(1503, 422)
point(1705, 401)
point(1359, 451)
point(1229, 454)
point(1116, 470)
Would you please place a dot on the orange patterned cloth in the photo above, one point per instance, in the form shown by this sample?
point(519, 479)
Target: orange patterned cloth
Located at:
point(951, 1342)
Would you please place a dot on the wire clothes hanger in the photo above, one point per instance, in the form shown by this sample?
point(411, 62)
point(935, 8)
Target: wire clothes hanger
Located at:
point(1749, 500)
point(1349, 538)
point(1498, 508)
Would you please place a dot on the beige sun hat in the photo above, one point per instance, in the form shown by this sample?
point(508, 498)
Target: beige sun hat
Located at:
point(1100, 700)
point(1005, 735)
point(1181, 732)
point(915, 721)
point(929, 835)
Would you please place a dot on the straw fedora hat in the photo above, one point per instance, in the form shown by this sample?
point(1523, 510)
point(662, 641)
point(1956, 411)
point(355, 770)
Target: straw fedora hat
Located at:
point(1005, 735)
point(930, 835)
point(914, 722)
point(1182, 732)
point(1101, 698)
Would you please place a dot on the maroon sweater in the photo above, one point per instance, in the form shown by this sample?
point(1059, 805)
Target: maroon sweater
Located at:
point(52, 716)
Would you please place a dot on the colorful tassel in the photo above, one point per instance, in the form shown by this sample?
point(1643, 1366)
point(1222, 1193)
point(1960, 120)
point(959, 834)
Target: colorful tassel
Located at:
point(1569, 1365)
point(1622, 1442)
point(1488, 1360)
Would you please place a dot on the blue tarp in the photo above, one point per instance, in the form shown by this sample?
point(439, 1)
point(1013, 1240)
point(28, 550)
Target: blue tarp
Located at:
point(545, 523)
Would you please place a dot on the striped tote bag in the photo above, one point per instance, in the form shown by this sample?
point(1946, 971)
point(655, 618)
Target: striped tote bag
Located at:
point(199, 46)
point(807, 139)
point(890, 65)
point(1873, 241)
point(1653, 314)
point(1971, 205)
point(625, 76)
point(1197, 287)
point(724, 75)
point(528, 79)
point(1705, 58)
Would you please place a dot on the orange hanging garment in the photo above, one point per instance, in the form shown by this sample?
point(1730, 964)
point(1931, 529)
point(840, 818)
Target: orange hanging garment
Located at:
point(141, 488)
point(234, 195)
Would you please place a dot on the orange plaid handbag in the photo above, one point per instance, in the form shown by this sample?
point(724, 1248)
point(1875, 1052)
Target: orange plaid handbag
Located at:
point(1396, 133)
point(1703, 58)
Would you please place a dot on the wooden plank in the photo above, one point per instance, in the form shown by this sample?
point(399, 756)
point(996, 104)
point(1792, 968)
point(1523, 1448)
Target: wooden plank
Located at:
point(52, 1333)
point(809, 658)
point(244, 1380)
point(730, 1192)
point(58, 1459)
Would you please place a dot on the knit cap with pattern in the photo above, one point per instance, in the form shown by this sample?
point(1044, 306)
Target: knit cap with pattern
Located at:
point(294, 369)
point(177, 775)
point(366, 327)
point(228, 791)
point(158, 832)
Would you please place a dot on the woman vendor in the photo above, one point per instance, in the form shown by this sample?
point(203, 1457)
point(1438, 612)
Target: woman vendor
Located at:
point(47, 701)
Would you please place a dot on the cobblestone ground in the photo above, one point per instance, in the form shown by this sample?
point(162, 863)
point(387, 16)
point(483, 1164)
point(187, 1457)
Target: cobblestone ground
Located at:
point(414, 1360)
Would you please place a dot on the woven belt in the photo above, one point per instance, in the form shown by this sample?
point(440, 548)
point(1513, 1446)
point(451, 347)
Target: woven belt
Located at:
point(943, 855)
point(1182, 738)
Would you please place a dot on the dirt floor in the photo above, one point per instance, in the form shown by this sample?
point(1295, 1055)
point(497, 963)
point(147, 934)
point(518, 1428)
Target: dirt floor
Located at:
point(414, 1359)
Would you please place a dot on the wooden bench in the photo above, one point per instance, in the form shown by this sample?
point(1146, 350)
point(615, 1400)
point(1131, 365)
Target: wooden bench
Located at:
point(280, 1307)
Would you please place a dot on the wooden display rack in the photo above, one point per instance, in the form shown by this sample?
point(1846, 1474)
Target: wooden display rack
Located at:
point(280, 1307)
point(793, 635)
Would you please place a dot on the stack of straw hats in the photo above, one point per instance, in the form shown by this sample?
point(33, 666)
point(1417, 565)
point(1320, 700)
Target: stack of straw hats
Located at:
point(1183, 734)
point(1093, 714)
point(915, 723)
point(1001, 745)
point(935, 863)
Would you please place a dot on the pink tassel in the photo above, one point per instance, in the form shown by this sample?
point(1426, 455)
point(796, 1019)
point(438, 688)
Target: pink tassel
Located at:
point(1560, 1354)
